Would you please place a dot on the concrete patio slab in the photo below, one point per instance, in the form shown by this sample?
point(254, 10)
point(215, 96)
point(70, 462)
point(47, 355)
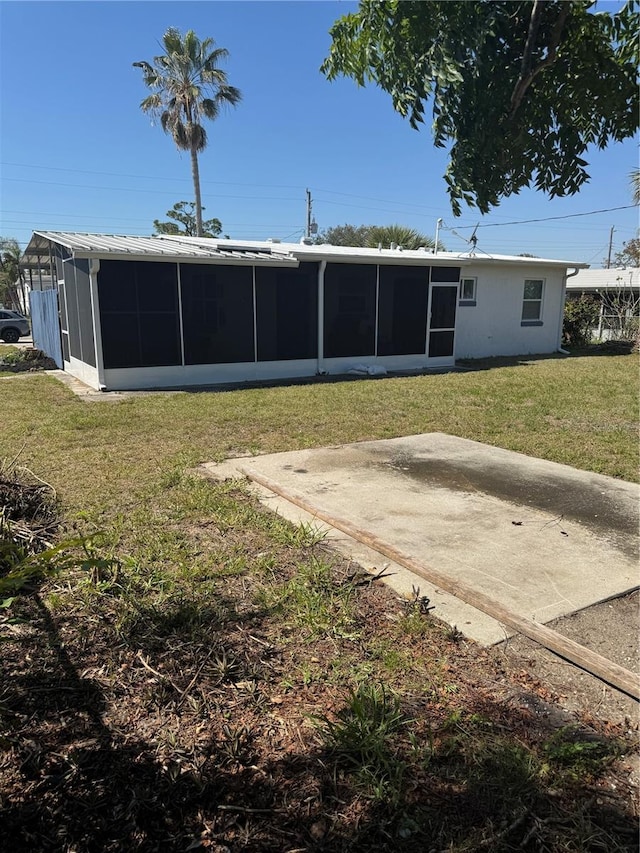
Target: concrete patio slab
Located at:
point(543, 539)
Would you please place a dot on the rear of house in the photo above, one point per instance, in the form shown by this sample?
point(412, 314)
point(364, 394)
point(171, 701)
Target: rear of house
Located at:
point(164, 312)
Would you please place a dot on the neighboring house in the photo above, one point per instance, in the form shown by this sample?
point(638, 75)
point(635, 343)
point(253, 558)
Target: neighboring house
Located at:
point(173, 311)
point(618, 293)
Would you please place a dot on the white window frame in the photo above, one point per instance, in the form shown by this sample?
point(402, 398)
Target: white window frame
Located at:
point(533, 321)
point(468, 300)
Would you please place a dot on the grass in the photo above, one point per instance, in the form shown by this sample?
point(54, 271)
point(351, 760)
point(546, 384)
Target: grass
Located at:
point(178, 675)
point(360, 738)
point(581, 412)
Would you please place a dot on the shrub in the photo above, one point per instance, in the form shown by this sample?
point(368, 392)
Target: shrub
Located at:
point(580, 318)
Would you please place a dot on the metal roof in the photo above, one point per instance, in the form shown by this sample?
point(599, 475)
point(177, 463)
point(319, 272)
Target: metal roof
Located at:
point(308, 251)
point(611, 279)
point(167, 247)
point(210, 250)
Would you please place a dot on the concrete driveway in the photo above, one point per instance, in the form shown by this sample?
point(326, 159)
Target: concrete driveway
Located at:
point(543, 539)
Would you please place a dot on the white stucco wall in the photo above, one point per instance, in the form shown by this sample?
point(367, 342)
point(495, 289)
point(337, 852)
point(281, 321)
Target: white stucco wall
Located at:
point(492, 326)
point(85, 372)
point(123, 379)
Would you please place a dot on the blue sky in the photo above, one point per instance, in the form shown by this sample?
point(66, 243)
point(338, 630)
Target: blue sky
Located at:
point(77, 154)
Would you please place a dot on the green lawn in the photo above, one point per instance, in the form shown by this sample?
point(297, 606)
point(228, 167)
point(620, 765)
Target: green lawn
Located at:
point(220, 679)
point(579, 411)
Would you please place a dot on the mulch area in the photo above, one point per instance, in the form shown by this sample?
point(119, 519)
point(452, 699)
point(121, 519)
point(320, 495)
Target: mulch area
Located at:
point(192, 728)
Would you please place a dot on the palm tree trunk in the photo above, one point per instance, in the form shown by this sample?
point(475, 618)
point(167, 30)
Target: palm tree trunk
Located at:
point(195, 173)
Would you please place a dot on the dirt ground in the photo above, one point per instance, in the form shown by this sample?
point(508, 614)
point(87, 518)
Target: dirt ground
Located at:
point(178, 736)
point(611, 628)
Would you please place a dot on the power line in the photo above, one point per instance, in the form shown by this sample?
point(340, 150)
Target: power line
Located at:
point(283, 187)
point(138, 190)
point(550, 218)
point(146, 177)
point(220, 183)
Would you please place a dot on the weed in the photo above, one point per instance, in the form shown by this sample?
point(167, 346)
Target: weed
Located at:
point(454, 634)
point(314, 601)
point(235, 745)
point(304, 535)
point(502, 775)
point(226, 666)
point(569, 749)
point(361, 739)
point(420, 603)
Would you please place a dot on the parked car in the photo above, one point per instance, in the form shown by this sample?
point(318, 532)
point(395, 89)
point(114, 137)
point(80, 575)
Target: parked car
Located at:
point(13, 326)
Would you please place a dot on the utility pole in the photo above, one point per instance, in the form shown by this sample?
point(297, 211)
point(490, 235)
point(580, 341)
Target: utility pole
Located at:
point(610, 245)
point(307, 232)
point(311, 227)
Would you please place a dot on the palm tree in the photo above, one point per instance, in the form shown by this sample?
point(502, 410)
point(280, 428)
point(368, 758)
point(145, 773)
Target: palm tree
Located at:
point(12, 284)
point(635, 185)
point(187, 87)
point(401, 235)
point(371, 236)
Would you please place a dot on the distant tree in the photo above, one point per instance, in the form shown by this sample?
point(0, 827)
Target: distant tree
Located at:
point(527, 255)
point(518, 90)
point(12, 282)
point(344, 235)
point(371, 236)
point(629, 255)
point(187, 86)
point(183, 214)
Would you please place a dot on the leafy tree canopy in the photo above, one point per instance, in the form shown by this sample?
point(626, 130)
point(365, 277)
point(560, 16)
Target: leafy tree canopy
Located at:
point(371, 236)
point(629, 256)
point(183, 213)
point(518, 89)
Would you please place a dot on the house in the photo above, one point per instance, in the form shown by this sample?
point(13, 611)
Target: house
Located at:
point(175, 311)
point(617, 292)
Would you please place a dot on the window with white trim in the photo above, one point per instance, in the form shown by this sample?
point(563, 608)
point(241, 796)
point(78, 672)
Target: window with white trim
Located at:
point(468, 288)
point(532, 302)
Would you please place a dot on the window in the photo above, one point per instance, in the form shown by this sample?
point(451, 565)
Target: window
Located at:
point(532, 302)
point(468, 291)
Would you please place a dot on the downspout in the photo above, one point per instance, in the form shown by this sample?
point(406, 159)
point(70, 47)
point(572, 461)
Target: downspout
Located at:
point(320, 370)
point(94, 269)
point(564, 299)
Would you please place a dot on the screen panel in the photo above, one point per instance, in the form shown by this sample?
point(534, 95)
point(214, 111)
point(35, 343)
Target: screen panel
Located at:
point(69, 273)
point(443, 307)
point(85, 313)
point(440, 344)
point(139, 314)
point(402, 310)
point(287, 312)
point(217, 313)
point(445, 274)
point(349, 310)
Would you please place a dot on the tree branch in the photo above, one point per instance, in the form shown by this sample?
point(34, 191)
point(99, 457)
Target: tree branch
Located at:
point(527, 73)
